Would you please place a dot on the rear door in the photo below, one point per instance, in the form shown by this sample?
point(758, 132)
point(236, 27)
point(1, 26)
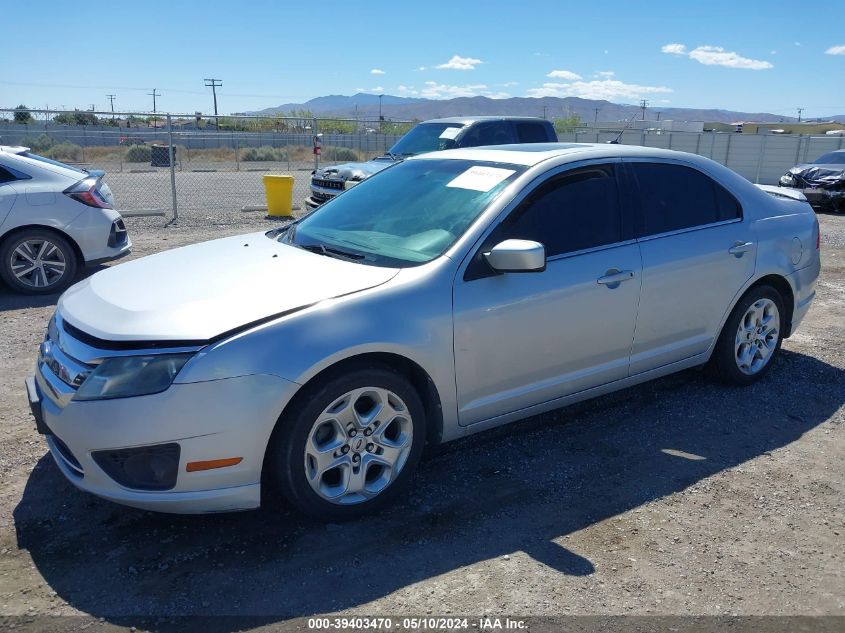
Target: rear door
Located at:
point(697, 253)
point(7, 193)
point(532, 132)
point(488, 133)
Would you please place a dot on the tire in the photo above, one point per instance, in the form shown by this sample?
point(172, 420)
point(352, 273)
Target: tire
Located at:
point(335, 423)
point(743, 356)
point(51, 275)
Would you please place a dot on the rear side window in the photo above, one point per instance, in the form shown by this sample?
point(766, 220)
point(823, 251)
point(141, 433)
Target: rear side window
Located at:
point(6, 175)
point(675, 197)
point(571, 212)
point(529, 132)
point(50, 161)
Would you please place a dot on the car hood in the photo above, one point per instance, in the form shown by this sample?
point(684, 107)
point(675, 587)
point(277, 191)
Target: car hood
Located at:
point(824, 176)
point(356, 171)
point(197, 293)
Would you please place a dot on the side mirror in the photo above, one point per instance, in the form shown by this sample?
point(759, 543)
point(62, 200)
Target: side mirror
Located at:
point(517, 256)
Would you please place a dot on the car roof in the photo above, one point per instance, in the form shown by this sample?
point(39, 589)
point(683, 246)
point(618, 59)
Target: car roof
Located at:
point(530, 154)
point(466, 120)
point(13, 149)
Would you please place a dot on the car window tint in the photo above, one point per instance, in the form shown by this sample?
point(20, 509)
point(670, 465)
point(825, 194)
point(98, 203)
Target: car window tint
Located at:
point(528, 132)
point(571, 212)
point(488, 134)
point(6, 175)
point(675, 197)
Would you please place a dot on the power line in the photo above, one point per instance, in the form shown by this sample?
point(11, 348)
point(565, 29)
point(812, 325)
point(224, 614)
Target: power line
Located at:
point(214, 85)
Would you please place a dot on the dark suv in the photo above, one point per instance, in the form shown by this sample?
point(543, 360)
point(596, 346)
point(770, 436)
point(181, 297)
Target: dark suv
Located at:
point(431, 136)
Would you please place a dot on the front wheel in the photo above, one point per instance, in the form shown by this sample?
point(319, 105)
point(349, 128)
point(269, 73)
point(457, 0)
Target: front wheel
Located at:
point(349, 445)
point(751, 338)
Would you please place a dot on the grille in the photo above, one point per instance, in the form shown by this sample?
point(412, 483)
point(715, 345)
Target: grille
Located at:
point(318, 195)
point(327, 184)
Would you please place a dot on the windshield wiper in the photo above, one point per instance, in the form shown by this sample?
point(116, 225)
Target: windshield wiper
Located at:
point(330, 251)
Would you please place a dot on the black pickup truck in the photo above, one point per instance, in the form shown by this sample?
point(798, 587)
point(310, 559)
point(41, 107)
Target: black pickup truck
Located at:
point(431, 136)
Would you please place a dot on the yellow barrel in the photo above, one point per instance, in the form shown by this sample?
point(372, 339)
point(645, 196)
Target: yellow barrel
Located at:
point(279, 192)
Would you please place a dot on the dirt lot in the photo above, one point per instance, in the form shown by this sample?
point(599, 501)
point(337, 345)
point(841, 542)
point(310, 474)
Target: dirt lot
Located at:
point(675, 497)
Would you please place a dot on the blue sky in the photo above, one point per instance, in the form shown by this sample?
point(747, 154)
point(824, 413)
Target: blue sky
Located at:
point(739, 55)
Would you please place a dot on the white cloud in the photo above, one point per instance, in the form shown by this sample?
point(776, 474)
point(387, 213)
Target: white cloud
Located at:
point(605, 74)
point(717, 56)
point(797, 43)
point(434, 90)
point(568, 75)
point(773, 52)
point(609, 89)
point(836, 50)
point(674, 49)
point(421, 68)
point(460, 63)
point(370, 90)
point(377, 71)
point(407, 90)
point(508, 84)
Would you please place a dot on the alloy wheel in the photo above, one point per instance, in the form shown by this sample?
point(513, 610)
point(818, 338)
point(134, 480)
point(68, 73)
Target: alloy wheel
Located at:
point(358, 445)
point(757, 336)
point(38, 263)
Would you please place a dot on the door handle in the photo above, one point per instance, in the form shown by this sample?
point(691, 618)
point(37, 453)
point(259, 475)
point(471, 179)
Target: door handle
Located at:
point(740, 247)
point(614, 277)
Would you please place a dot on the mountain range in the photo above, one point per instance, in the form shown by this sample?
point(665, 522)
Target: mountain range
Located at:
point(364, 105)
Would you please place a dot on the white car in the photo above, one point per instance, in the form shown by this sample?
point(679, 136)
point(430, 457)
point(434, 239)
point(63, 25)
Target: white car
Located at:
point(54, 218)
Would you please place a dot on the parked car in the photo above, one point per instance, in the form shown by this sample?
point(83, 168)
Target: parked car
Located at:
point(431, 136)
point(822, 181)
point(54, 219)
point(453, 292)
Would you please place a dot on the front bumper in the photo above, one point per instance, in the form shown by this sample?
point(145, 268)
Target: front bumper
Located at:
point(818, 197)
point(233, 417)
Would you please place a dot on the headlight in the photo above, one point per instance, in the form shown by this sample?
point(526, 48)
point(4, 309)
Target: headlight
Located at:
point(787, 180)
point(127, 376)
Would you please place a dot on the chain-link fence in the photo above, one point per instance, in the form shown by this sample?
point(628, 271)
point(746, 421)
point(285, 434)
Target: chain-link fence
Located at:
point(218, 163)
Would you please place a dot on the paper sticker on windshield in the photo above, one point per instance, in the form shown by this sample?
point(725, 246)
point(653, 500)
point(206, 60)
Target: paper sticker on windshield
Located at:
point(480, 178)
point(450, 133)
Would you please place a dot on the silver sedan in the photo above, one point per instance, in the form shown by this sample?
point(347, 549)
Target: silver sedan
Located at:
point(448, 294)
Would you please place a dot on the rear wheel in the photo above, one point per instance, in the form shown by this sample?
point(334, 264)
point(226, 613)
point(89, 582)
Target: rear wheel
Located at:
point(37, 261)
point(751, 338)
point(349, 445)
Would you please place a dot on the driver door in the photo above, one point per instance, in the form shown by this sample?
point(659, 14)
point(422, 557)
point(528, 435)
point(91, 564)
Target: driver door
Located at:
point(522, 339)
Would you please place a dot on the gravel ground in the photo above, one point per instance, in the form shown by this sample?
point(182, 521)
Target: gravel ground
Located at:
point(676, 497)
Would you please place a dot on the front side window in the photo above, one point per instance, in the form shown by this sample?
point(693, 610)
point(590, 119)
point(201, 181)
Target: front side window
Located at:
point(494, 133)
point(834, 158)
point(529, 132)
point(675, 197)
point(571, 212)
point(407, 214)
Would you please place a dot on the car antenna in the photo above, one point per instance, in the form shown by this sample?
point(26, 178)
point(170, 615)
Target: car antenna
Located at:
point(624, 129)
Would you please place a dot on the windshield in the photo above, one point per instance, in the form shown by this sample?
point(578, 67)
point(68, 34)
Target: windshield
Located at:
point(406, 215)
point(50, 161)
point(427, 137)
point(834, 158)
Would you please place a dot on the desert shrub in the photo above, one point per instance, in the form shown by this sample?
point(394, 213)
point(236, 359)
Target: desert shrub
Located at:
point(264, 153)
point(38, 144)
point(65, 151)
point(138, 154)
point(340, 153)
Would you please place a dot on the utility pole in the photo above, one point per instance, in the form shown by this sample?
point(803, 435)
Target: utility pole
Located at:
point(658, 115)
point(595, 116)
point(800, 110)
point(380, 117)
point(544, 112)
point(111, 101)
point(154, 94)
point(214, 84)
point(643, 105)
